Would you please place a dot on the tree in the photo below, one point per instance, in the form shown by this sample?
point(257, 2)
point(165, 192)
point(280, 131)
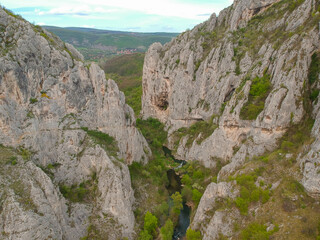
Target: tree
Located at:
point(150, 223)
point(177, 202)
point(166, 231)
point(193, 235)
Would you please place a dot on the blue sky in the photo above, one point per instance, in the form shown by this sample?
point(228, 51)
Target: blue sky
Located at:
point(124, 15)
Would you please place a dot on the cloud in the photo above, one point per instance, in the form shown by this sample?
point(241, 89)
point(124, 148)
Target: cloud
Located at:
point(119, 14)
point(204, 15)
point(82, 10)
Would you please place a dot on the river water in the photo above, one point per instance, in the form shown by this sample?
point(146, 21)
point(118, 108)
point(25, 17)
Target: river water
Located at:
point(176, 186)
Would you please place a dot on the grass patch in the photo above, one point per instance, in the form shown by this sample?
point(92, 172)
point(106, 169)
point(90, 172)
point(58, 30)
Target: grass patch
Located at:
point(104, 140)
point(259, 91)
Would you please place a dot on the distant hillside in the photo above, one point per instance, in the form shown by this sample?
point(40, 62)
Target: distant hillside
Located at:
point(95, 44)
point(126, 70)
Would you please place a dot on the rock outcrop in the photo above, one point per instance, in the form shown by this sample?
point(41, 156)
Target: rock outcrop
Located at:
point(75, 132)
point(213, 200)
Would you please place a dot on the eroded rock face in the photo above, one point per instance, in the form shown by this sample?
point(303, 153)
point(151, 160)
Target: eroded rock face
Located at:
point(206, 73)
point(47, 97)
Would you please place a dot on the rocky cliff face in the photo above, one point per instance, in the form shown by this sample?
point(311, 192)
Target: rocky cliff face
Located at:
point(234, 88)
point(73, 129)
point(205, 75)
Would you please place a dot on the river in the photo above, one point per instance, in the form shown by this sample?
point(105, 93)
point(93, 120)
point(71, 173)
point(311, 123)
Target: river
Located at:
point(176, 186)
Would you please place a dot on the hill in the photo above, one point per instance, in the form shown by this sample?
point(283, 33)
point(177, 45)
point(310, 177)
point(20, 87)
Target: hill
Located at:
point(95, 44)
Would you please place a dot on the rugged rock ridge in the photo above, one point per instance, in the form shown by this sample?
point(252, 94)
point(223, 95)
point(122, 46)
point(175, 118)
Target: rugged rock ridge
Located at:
point(49, 101)
point(207, 73)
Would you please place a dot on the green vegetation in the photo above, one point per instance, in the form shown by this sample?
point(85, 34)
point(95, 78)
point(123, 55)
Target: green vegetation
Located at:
point(177, 203)
point(257, 231)
point(166, 231)
point(195, 179)
point(23, 195)
point(150, 226)
point(259, 91)
point(153, 130)
point(313, 76)
point(84, 192)
point(314, 69)
point(33, 100)
point(104, 140)
point(205, 128)
point(9, 12)
point(193, 235)
point(249, 192)
point(126, 71)
point(96, 44)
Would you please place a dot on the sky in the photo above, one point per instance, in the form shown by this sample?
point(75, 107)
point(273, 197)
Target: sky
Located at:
point(123, 15)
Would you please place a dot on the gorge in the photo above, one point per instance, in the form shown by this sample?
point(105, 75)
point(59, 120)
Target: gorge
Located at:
point(227, 142)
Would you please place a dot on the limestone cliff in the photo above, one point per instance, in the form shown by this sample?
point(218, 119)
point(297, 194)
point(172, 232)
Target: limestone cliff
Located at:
point(206, 76)
point(57, 111)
